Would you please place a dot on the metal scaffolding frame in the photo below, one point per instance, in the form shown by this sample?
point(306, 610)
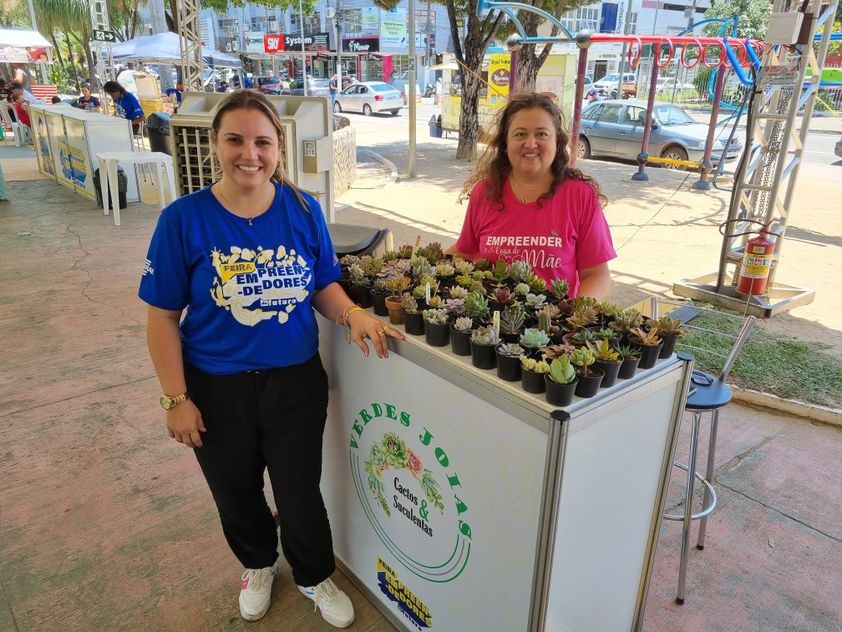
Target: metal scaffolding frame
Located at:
point(764, 185)
point(104, 60)
point(190, 38)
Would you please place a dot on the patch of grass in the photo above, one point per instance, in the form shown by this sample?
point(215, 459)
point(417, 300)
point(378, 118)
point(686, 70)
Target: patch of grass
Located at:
point(768, 362)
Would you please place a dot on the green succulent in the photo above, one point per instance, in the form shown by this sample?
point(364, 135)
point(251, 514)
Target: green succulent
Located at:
point(603, 333)
point(371, 265)
point(445, 270)
point(519, 271)
point(534, 339)
point(435, 316)
point(462, 266)
point(562, 371)
point(431, 252)
point(668, 326)
point(628, 351)
point(536, 284)
point(609, 309)
point(457, 291)
point(435, 301)
point(626, 320)
point(512, 318)
point(464, 280)
point(559, 287)
point(482, 264)
point(536, 366)
point(583, 358)
point(357, 276)
point(498, 270)
point(521, 289)
point(409, 304)
point(604, 352)
point(476, 306)
point(535, 301)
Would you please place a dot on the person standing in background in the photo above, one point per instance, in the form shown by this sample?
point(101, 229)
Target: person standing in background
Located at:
point(333, 86)
point(128, 104)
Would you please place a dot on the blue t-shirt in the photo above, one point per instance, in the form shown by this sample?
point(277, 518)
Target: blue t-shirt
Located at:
point(130, 106)
point(246, 286)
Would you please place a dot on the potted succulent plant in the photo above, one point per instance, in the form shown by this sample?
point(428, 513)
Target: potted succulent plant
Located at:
point(379, 292)
point(608, 359)
point(358, 286)
point(545, 323)
point(413, 321)
point(589, 378)
point(460, 335)
point(436, 327)
point(532, 340)
point(483, 341)
point(532, 373)
point(582, 317)
point(649, 342)
point(501, 297)
point(511, 321)
point(508, 361)
point(624, 322)
point(394, 302)
point(631, 357)
point(476, 306)
point(559, 288)
point(560, 381)
point(669, 329)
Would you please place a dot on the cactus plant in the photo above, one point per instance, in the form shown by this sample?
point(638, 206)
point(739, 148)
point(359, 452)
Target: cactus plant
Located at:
point(552, 311)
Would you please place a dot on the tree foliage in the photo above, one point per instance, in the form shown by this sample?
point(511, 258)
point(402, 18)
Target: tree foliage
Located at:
point(753, 17)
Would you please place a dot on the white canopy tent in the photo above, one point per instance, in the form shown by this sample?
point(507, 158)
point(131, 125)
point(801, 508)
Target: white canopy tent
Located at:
point(164, 48)
point(18, 38)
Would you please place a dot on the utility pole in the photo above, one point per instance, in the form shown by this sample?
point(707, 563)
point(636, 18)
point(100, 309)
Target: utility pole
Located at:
point(622, 68)
point(338, 31)
point(428, 52)
point(303, 56)
point(412, 90)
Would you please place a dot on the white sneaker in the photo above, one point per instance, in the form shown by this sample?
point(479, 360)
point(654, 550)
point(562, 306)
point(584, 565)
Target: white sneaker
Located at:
point(256, 592)
point(335, 605)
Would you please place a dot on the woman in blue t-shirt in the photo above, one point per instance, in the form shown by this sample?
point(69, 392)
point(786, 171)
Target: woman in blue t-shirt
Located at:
point(127, 103)
point(246, 261)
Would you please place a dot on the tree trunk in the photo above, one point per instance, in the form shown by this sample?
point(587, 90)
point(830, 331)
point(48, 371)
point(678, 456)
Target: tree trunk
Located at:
point(470, 55)
point(528, 63)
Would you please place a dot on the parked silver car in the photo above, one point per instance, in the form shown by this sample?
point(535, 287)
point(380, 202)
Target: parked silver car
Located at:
point(368, 97)
point(315, 87)
point(615, 128)
point(838, 149)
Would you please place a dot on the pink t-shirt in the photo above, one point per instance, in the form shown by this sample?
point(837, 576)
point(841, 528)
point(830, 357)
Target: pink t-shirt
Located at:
point(567, 233)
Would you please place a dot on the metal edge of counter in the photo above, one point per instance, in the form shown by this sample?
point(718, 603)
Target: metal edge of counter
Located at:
point(658, 509)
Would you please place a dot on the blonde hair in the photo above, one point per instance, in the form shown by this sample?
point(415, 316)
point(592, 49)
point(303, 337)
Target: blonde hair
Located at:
point(254, 100)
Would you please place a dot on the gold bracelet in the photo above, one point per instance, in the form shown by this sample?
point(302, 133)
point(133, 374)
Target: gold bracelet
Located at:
point(352, 310)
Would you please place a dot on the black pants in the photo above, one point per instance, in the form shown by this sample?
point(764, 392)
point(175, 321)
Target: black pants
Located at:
point(272, 419)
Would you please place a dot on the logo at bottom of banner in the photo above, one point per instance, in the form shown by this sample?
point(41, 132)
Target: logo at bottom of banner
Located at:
point(407, 603)
point(411, 492)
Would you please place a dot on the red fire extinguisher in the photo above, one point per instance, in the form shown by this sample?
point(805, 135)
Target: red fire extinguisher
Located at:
point(757, 262)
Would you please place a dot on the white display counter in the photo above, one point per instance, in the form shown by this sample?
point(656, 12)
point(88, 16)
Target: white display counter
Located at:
point(461, 502)
point(67, 141)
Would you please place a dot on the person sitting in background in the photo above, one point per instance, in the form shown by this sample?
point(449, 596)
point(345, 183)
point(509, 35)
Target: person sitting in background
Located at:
point(21, 109)
point(129, 106)
point(87, 101)
point(593, 96)
point(56, 99)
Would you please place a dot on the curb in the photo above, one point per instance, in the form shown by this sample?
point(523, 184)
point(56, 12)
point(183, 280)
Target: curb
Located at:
point(393, 170)
point(789, 406)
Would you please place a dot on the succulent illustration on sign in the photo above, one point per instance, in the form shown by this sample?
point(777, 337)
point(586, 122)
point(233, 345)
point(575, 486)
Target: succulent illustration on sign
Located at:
point(391, 452)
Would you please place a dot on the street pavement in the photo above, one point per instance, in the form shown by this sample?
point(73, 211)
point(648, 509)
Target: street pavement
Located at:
point(107, 523)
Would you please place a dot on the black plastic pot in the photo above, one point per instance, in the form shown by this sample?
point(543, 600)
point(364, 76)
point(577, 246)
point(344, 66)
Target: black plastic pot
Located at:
point(648, 353)
point(668, 345)
point(628, 368)
point(414, 323)
point(589, 385)
point(559, 394)
point(508, 367)
point(610, 370)
point(532, 382)
point(509, 337)
point(437, 335)
point(378, 302)
point(360, 295)
point(460, 342)
point(483, 356)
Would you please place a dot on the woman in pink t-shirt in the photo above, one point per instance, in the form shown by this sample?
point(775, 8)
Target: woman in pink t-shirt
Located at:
point(526, 203)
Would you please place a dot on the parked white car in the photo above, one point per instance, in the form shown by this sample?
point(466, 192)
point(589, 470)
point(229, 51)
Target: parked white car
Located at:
point(368, 97)
point(665, 85)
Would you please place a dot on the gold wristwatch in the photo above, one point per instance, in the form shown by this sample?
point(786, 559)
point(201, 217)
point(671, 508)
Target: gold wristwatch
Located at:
point(168, 402)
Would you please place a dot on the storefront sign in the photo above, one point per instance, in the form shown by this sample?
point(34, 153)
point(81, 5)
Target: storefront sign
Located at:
point(369, 19)
point(313, 42)
point(361, 45)
point(273, 43)
point(393, 29)
point(499, 73)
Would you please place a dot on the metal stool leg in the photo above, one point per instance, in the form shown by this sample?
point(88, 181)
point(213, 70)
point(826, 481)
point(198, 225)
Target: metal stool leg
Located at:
point(688, 509)
point(714, 423)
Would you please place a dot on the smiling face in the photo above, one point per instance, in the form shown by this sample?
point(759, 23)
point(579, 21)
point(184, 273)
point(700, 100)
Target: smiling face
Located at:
point(531, 143)
point(247, 146)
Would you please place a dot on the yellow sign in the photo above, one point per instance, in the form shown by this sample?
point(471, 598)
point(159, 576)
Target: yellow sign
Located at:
point(499, 73)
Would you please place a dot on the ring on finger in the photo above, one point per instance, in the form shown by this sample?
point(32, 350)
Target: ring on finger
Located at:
point(381, 332)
